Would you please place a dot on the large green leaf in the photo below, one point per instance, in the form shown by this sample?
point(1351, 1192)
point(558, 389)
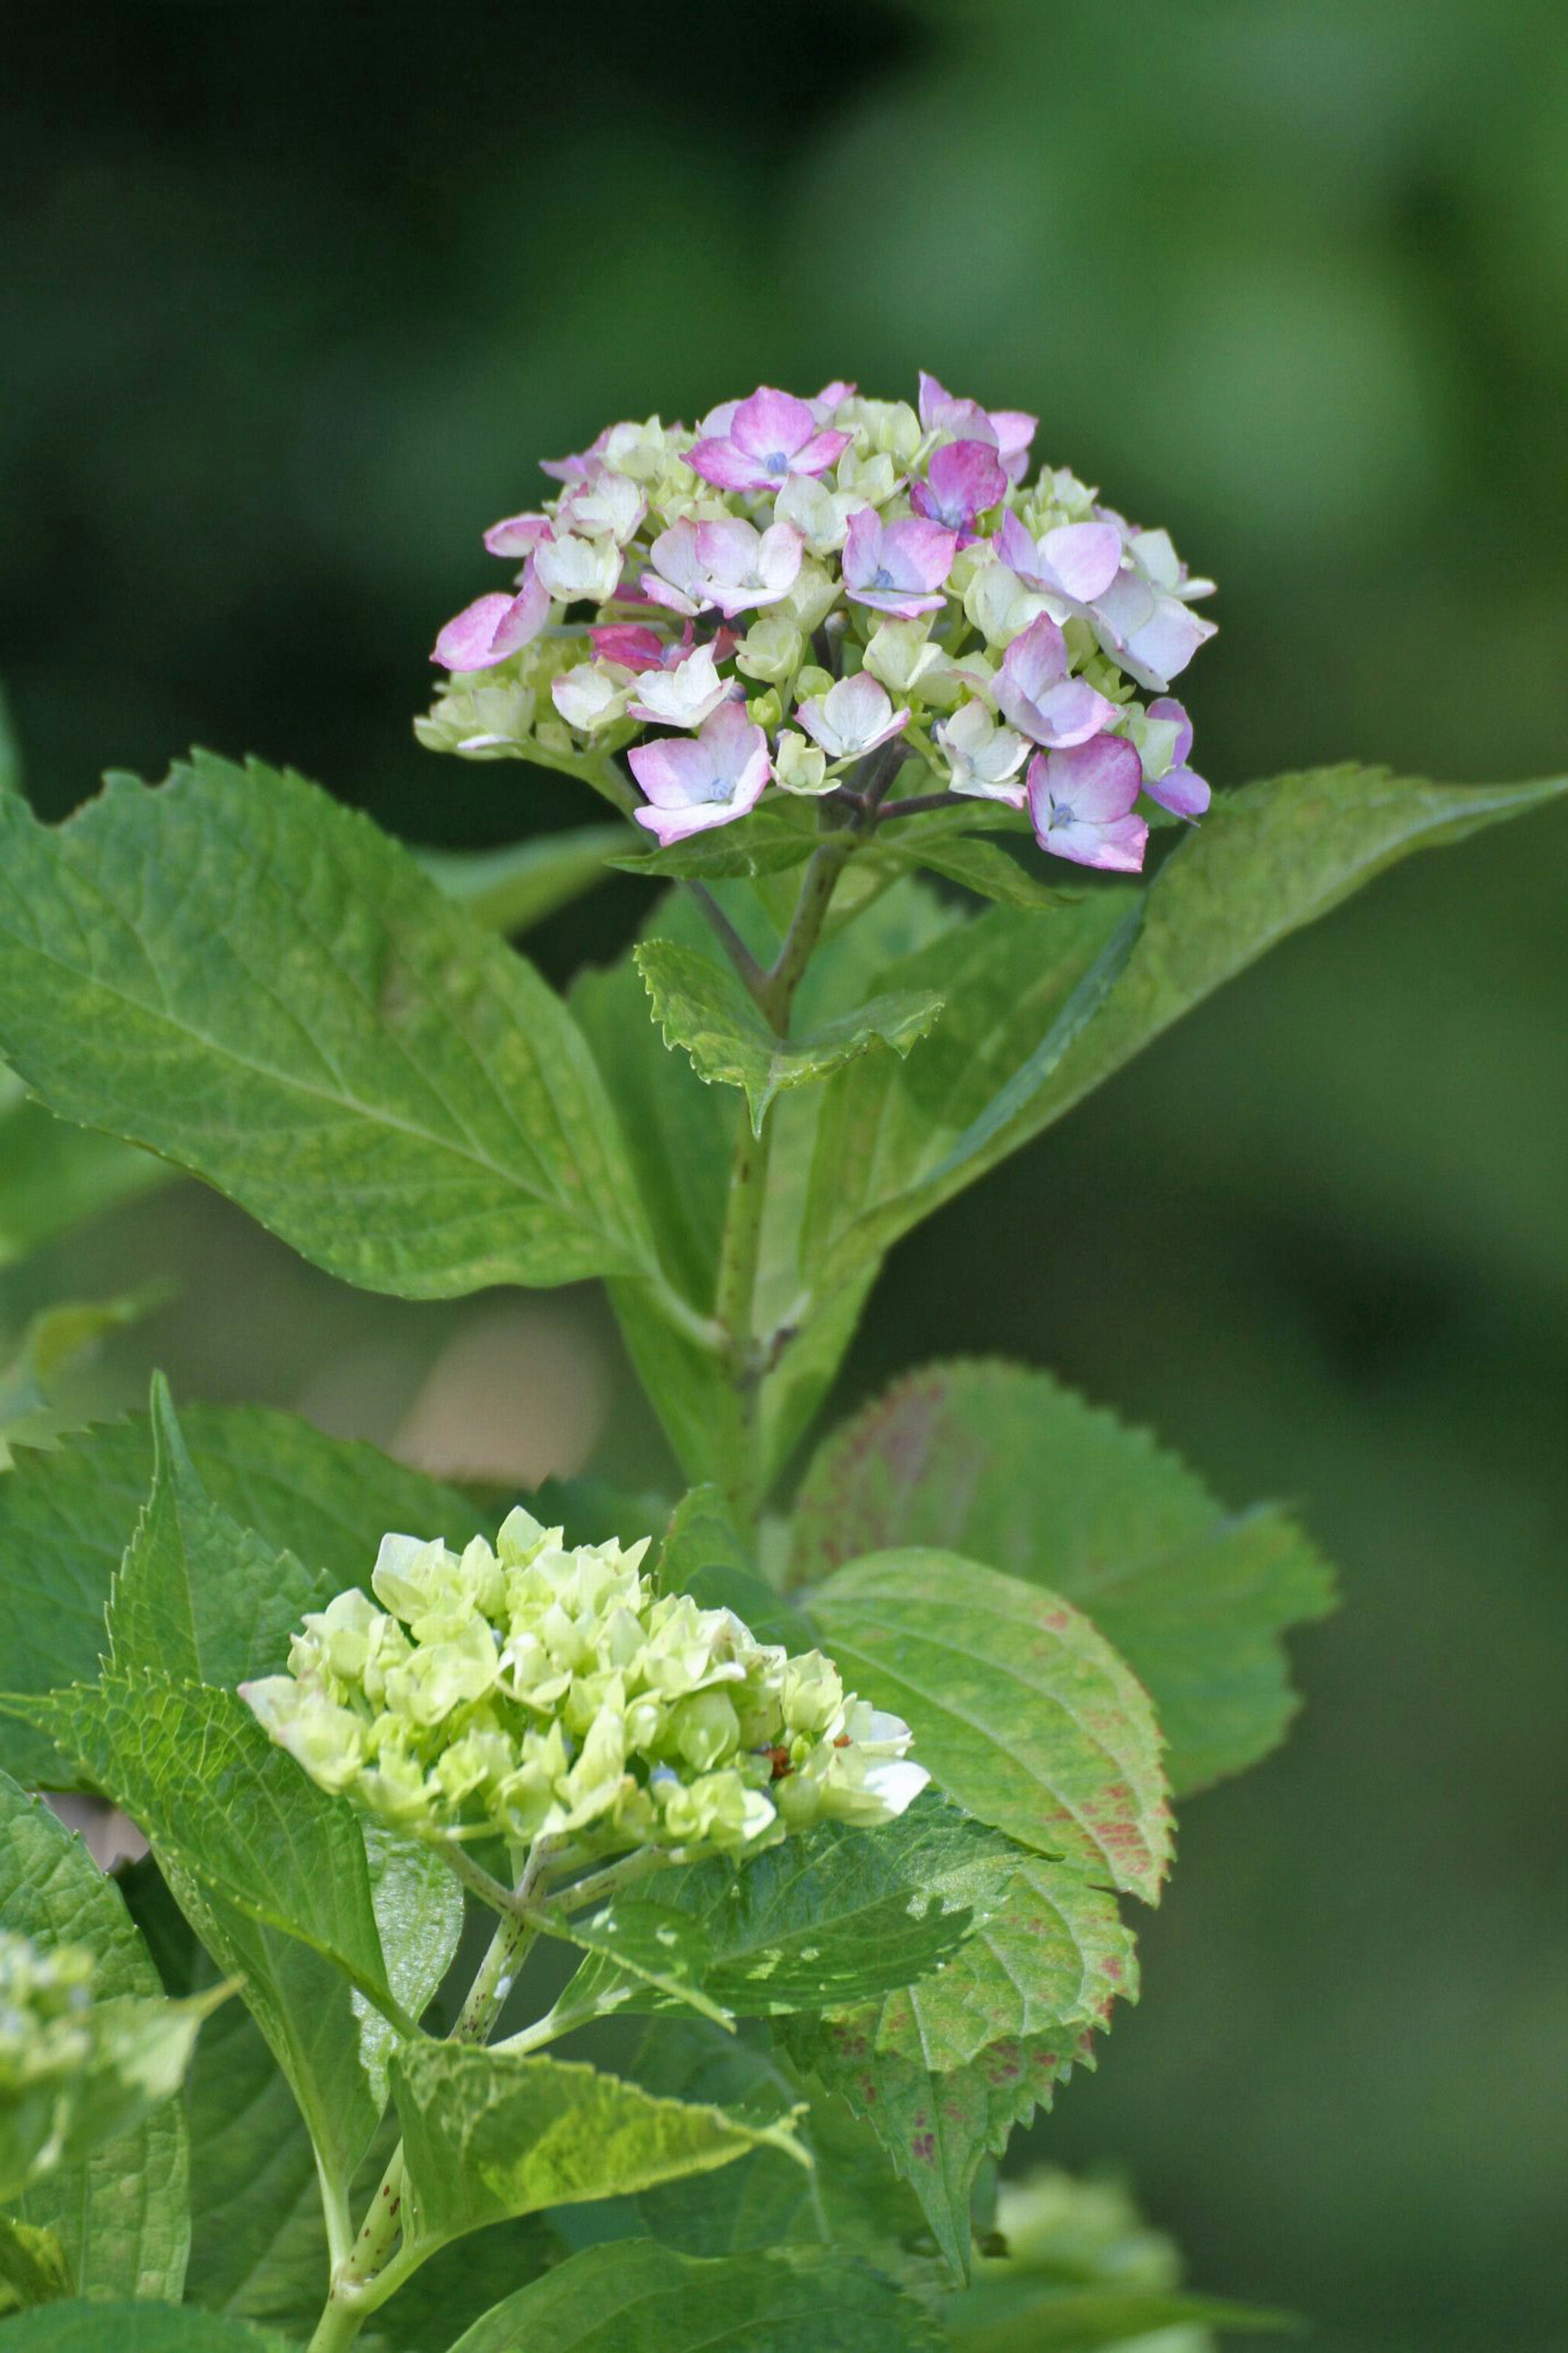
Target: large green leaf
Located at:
point(253, 981)
point(122, 2215)
point(702, 1008)
point(196, 1595)
point(515, 888)
point(1021, 1709)
point(943, 2071)
point(489, 2134)
point(270, 1872)
point(221, 1804)
point(66, 1518)
point(828, 1917)
point(133, 2328)
point(635, 2294)
point(849, 2197)
point(1005, 1464)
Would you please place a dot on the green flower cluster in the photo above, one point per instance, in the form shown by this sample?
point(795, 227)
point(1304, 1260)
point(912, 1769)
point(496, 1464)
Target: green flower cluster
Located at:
point(545, 1692)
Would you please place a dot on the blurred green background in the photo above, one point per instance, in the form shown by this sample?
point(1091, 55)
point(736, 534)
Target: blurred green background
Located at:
point(292, 301)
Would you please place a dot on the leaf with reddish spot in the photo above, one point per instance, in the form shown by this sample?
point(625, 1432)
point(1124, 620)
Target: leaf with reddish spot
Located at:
point(1021, 1710)
point(1003, 1462)
point(942, 2070)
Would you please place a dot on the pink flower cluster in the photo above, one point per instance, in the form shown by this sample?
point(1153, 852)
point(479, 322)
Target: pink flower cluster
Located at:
point(805, 595)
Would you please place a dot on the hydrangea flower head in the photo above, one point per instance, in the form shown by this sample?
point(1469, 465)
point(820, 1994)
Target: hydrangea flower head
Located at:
point(814, 548)
point(546, 1693)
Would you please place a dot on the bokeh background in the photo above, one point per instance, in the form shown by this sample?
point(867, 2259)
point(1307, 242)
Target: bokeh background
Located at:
point(290, 301)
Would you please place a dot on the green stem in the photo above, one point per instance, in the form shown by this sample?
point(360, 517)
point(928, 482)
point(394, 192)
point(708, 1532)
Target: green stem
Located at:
point(372, 2271)
point(734, 1307)
point(734, 946)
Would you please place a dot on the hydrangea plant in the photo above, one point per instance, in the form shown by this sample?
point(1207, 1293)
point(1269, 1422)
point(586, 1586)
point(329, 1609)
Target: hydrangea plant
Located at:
point(651, 1922)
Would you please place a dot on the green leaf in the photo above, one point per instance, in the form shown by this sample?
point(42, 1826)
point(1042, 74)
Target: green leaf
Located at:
point(65, 1518)
point(1265, 862)
point(270, 1872)
point(943, 2071)
point(897, 1141)
point(120, 2216)
point(488, 2133)
point(1004, 1463)
point(53, 1175)
point(829, 1917)
point(978, 865)
point(197, 1595)
point(221, 1804)
point(512, 890)
point(773, 839)
point(57, 1340)
point(10, 751)
point(702, 1006)
point(635, 2294)
point(1021, 1709)
point(33, 2268)
point(133, 2328)
point(258, 2247)
point(1025, 2314)
point(253, 981)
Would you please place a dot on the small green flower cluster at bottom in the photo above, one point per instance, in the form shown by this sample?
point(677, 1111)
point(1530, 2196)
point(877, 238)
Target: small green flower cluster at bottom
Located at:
point(546, 1693)
point(45, 2011)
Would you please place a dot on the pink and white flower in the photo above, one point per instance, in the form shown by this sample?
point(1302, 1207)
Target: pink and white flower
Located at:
point(519, 534)
point(1178, 787)
point(1147, 631)
point(696, 782)
point(852, 718)
point(1081, 800)
point(684, 694)
point(984, 760)
point(578, 571)
point(1077, 560)
point(1033, 691)
point(493, 626)
point(763, 442)
point(897, 567)
point(963, 480)
point(731, 564)
point(609, 507)
point(1010, 430)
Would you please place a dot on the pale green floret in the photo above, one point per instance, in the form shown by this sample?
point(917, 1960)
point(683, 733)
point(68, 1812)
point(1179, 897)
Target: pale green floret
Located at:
point(45, 2007)
point(541, 1692)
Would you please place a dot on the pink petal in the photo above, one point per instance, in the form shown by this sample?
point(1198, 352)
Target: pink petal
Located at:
point(1168, 707)
point(1070, 714)
point(1084, 556)
point(518, 534)
point(919, 554)
point(727, 466)
point(1180, 790)
point(1116, 848)
point(771, 426)
point(631, 642)
point(465, 642)
point(1035, 661)
point(1099, 780)
point(824, 450)
point(670, 771)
